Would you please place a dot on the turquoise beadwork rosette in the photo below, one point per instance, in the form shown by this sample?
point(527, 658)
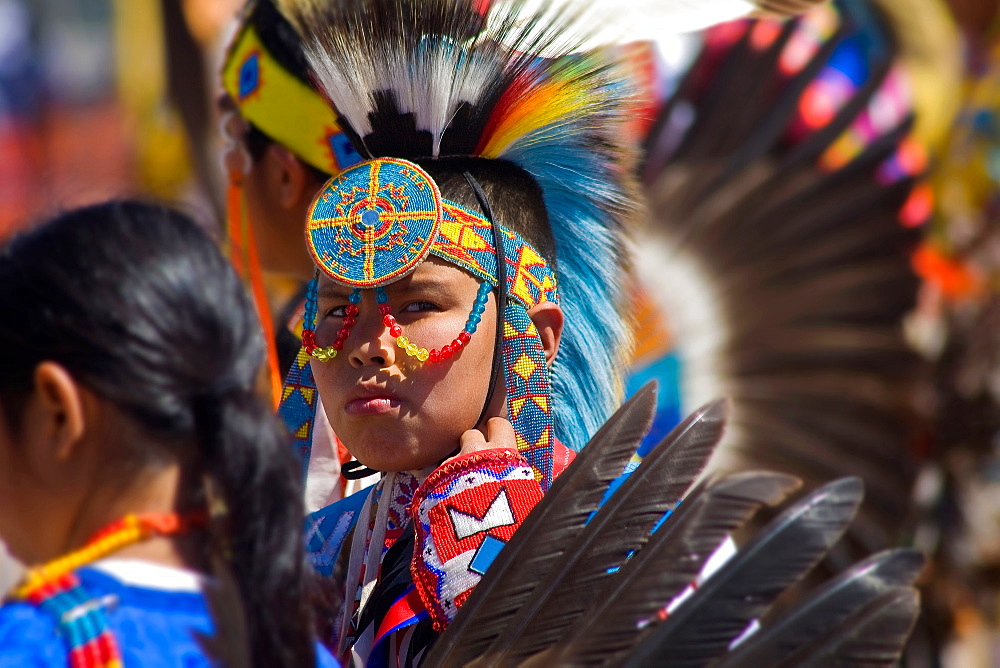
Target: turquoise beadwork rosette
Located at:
point(374, 223)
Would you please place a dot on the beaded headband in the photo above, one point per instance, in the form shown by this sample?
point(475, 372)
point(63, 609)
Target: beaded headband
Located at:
point(283, 107)
point(374, 224)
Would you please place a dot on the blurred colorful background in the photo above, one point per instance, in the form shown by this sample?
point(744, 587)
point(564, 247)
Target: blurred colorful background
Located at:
point(102, 98)
point(108, 97)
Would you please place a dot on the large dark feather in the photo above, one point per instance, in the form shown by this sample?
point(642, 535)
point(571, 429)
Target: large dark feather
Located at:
point(668, 564)
point(622, 525)
point(799, 268)
point(827, 608)
point(742, 589)
point(545, 533)
point(874, 637)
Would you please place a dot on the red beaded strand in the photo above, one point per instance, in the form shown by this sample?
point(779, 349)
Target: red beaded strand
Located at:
point(351, 313)
point(447, 351)
point(309, 334)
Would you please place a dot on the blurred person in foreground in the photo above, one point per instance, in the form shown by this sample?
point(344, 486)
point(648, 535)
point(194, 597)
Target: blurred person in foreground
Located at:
point(149, 489)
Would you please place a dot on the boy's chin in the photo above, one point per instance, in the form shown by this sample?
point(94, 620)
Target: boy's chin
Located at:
point(387, 457)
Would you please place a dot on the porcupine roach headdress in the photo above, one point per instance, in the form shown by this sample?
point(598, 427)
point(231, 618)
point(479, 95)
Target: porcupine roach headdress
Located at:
point(433, 82)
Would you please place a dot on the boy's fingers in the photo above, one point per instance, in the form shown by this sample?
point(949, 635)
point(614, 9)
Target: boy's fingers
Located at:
point(472, 440)
point(500, 434)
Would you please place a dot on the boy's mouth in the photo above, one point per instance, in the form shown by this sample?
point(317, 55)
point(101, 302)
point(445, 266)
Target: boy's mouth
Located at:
point(372, 401)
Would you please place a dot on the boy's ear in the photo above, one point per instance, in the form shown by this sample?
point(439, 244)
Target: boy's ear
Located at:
point(292, 177)
point(548, 319)
point(58, 416)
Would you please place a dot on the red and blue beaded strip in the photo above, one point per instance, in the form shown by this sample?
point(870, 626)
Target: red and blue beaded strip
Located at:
point(55, 588)
point(309, 330)
point(82, 624)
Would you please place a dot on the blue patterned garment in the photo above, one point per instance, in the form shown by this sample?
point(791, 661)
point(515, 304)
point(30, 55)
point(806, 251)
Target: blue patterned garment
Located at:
point(153, 627)
point(327, 527)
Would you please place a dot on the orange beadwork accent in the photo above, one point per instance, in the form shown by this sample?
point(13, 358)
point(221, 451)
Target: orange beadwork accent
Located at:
point(243, 254)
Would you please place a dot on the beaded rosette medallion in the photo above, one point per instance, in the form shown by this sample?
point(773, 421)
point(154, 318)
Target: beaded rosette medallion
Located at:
point(374, 224)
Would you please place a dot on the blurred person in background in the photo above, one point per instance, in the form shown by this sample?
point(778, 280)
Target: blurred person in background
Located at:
point(282, 143)
point(20, 109)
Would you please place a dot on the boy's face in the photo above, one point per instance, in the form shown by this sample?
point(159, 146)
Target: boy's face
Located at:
point(393, 412)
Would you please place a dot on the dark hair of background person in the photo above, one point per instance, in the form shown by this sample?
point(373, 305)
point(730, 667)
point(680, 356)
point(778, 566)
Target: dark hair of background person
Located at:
point(140, 307)
point(283, 43)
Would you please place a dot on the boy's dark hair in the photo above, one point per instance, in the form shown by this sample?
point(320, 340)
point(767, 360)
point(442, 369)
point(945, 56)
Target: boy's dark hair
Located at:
point(283, 43)
point(139, 306)
point(513, 195)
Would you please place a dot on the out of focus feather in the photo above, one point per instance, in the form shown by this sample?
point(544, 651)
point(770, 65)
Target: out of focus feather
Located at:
point(729, 600)
point(784, 277)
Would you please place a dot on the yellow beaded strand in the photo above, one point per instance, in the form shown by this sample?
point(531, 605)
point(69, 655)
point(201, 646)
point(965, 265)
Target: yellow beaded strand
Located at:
point(131, 532)
point(127, 531)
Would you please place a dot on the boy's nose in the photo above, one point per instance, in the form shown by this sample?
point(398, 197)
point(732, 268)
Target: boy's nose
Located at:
point(371, 352)
point(372, 344)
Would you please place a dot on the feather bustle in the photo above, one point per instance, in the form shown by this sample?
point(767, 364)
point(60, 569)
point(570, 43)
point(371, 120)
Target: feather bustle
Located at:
point(662, 569)
point(622, 525)
point(803, 269)
point(827, 608)
point(872, 638)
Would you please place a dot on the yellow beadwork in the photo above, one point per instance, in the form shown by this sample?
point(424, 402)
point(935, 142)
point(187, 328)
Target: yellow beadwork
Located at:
point(412, 349)
point(131, 532)
point(127, 531)
point(324, 354)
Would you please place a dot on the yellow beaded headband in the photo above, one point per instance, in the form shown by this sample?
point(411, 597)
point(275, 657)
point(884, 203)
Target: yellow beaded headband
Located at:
point(284, 108)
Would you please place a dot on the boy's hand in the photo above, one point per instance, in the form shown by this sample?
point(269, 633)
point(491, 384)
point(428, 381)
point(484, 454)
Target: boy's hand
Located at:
point(499, 434)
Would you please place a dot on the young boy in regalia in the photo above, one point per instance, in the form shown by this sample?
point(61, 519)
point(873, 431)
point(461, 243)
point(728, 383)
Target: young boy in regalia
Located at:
point(463, 329)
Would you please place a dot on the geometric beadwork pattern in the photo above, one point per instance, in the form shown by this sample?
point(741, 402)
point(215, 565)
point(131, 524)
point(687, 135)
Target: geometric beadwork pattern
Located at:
point(298, 406)
point(528, 395)
point(374, 223)
point(466, 239)
point(285, 108)
point(474, 502)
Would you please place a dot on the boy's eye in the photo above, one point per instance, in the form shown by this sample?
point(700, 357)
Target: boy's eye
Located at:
point(338, 311)
point(420, 307)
